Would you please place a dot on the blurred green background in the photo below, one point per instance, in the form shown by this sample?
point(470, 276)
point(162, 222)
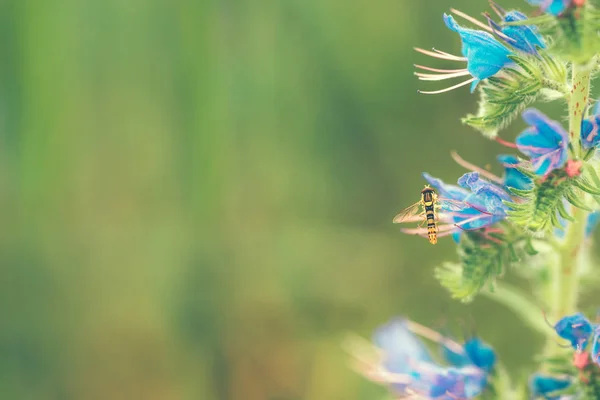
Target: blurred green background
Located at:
point(197, 196)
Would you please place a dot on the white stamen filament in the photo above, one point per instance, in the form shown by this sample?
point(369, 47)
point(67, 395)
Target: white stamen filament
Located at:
point(467, 165)
point(434, 336)
point(471, 19)
point(497, 9)
point(497, 32)
point(437, 54)
point(449, 88)
point(438, 69)
point(436, 77)
point(447, 54)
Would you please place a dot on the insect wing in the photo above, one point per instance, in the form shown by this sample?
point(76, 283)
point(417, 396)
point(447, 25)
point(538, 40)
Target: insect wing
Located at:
point(451, 205)
point(406, 214)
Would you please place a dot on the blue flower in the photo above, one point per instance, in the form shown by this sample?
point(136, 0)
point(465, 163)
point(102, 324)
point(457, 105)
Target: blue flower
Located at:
point(545, 142)
point(485, 55)
point(576, 329)
point(522, 37)
point(592, 222)
point(513, 178)
point(545, 385)
point(484, 203)
point(400, 345)
point(590, 136)
point(405, 364)
point(480, 354)
point(553, 7)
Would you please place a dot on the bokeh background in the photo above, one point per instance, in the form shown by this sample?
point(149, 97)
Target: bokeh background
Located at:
point(196, 197)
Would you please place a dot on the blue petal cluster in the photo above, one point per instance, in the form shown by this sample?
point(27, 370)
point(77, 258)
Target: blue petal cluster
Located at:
point(545, 142)
point(525, 38)
point(513, 178)
point(576, 329)
point(485, 55)
point(553, 7)
point(484, 200)
point(405, 355)
point(590, 135)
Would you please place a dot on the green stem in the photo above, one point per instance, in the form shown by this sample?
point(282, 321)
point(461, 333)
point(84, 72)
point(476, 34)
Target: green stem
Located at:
point(580, 93)
point(565, 275)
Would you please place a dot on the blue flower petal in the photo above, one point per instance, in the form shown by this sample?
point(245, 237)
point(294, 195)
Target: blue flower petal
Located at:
point(452, 192)
point(491, 195)
point(512, 176)
point(485, 55)
point(400, 346)
point(481, 354)
point(576, 329)
point(524, 37)
point(545, 141)
point(592, 222)
point(590, 132)
point(543, 385)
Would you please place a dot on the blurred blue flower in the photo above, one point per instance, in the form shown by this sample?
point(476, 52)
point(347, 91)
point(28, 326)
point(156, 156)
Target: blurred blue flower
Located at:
point(596, 346)
point(522, 37)
point(400, 345)
point(576, 329)
point(544, 385)
point(589, 129)
point(592, 222)
point(545, 142)
point(409, 368)
point(553, 7)
point(485, 55)
point(512, 176)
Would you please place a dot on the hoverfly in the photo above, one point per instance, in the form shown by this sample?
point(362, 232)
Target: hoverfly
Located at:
point(427, 209)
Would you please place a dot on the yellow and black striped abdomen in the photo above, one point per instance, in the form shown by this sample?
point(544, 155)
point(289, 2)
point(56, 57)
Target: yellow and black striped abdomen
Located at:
point(431, 225)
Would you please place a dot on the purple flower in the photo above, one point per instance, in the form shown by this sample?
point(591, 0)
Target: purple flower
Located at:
point(545, 142)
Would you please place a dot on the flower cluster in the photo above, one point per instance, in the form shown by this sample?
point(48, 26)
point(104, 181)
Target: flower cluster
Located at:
point(485, 51)
point(537, 217)
point(578, 331)
point(401, 361)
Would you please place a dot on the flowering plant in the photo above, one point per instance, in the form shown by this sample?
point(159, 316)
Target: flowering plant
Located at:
point(538, 217)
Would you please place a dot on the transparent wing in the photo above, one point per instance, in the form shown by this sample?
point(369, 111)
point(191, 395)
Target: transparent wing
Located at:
point(408, 213)
point(451, 205)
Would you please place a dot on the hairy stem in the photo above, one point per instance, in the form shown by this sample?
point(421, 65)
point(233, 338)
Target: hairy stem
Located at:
point(565, 275)
point(580, 92)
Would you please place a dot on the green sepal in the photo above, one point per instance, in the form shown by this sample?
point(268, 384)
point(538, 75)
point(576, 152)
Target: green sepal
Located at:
point(543, 203)
point(504, 96)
